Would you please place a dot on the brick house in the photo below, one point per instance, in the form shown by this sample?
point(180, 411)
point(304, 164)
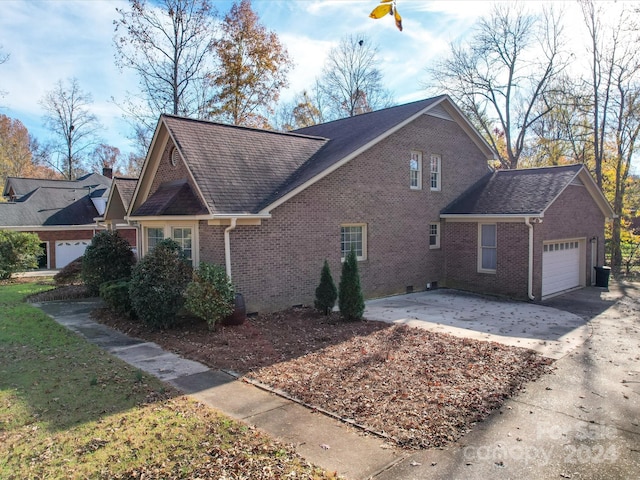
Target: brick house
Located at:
point(273, 206)
point(539, 232)
point(61, 212)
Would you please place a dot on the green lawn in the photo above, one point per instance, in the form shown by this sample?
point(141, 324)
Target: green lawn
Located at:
point(70, 410)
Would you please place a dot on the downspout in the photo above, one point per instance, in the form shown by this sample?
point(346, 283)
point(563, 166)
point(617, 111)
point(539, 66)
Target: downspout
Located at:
point(227, 245)
point(527, 222)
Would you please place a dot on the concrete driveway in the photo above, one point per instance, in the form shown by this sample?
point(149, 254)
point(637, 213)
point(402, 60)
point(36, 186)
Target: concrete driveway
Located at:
point(547, 330)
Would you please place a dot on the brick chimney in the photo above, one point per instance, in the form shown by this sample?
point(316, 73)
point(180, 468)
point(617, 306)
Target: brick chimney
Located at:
point(107, 172)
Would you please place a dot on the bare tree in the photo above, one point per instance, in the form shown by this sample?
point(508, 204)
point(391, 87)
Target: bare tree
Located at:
point(168, 44)
point(503, 73)
point(3, 58)
point(603, 109)
point(562, 135)
point(73, 127)
point(252, 69)
point(104, 156)
point(351, 81)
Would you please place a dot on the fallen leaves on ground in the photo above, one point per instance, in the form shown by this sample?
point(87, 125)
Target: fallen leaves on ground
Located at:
point(418, 388)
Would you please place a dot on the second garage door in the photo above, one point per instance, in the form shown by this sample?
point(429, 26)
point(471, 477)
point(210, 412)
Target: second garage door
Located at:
point(69, 250)
point(560, 266)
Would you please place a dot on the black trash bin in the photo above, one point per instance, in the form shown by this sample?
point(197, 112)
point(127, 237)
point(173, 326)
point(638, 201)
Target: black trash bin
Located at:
point(602, 276)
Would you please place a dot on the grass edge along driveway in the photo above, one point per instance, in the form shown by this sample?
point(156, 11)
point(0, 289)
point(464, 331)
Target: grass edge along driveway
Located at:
point(71, 410)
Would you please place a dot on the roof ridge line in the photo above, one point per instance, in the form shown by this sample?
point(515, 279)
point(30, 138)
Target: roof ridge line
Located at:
point(243, 127)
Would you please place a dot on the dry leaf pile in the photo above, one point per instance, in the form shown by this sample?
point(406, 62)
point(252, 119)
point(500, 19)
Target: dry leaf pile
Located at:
point(422, 389)
point(419, 388)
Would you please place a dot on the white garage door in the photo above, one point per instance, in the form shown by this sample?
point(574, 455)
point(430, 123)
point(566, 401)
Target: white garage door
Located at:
point(69, 250)
point(560, 266)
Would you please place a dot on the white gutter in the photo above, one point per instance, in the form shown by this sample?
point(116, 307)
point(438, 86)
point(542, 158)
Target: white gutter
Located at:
point(530, 275)
point(227, 245)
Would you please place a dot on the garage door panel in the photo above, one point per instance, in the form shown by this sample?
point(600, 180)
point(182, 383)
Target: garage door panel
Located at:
point(560, 266)
point(69, 250)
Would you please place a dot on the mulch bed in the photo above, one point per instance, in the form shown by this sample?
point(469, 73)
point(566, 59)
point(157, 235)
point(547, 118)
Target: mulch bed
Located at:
point(416, 388)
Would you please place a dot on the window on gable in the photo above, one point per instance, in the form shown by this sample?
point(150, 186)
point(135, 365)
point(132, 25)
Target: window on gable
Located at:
point(415, 171)
point(488, 257)
point(154, 236)
point(183, 237)
point(436, 166)
point(434, 235)
point(353, 237)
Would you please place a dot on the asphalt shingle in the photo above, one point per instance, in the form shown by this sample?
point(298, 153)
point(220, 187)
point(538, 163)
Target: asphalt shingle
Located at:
point(237, 168)
point(171, 198)
point(243, 170)
point(514, 192)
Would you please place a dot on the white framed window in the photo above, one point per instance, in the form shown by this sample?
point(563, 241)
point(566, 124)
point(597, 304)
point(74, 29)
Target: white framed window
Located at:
point(183, 236)
point(415, 171)
point(154, 236)
point(434, 235)
point(353, 236)
point(435, 177)
point(487, 248)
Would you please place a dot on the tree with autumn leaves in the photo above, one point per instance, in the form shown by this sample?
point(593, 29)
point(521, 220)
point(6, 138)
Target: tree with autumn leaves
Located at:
point(190, 65)
point(17, 148)
point(252, 69)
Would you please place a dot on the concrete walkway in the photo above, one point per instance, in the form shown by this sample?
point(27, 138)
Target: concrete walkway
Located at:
point(582, 421)
point(322, 440)
point(549, 331)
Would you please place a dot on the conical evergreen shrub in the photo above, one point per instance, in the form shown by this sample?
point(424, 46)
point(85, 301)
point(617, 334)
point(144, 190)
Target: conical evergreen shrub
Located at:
point(326, 293)
point(351, 300)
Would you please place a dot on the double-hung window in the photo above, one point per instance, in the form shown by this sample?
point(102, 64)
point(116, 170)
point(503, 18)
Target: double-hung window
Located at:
point(415, 171)
point(434, 235)
point(353, 237)
point(183, 237)
point(436, 166)
point(487, 254)
point(154, 236)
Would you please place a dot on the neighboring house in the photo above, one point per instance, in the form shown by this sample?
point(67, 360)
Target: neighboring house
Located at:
point(62, 212)
point(389, 184)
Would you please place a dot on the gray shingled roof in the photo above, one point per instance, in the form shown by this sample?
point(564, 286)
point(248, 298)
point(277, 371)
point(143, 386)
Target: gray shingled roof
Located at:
point(514, 192)
point(243, 170)
point(126, 188)
point(45, 202)
point(172, 198)
point(237, 168)
point(49, 206)
point(23, 186)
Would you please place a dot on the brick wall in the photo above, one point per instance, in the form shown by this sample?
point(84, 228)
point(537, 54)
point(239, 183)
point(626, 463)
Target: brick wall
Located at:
point(461, 249)
point(168, 173)
point(277, 264)
point(574, 214)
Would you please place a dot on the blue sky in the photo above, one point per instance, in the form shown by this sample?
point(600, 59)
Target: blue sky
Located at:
point(53, 40)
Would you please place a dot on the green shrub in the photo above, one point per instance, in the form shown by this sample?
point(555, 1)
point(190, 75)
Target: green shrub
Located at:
point(70, 274)
point(115, 294)
point(18, 251)
point(210, 295)
point(158, 283)
point(351, 300)
point(326, 293)
point(108, 257)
